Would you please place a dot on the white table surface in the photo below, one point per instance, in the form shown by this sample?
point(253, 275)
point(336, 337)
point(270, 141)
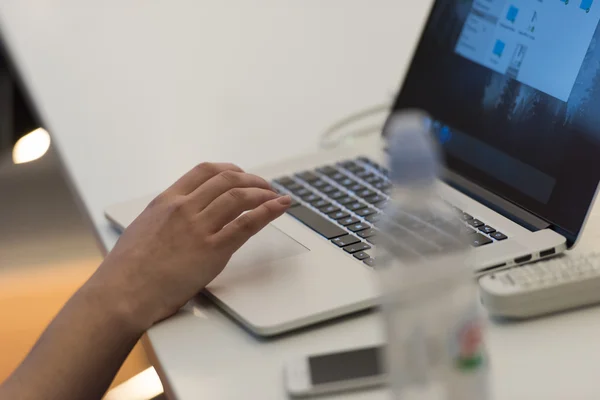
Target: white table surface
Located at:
point(136, 92)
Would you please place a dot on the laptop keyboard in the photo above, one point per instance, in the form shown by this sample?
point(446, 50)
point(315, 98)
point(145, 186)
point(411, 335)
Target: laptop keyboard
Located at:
point(343, 203)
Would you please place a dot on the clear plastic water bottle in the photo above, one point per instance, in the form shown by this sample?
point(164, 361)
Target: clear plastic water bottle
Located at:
point(430, 304)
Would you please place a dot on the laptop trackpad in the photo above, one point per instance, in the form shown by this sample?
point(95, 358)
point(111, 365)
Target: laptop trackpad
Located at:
point(262, 249)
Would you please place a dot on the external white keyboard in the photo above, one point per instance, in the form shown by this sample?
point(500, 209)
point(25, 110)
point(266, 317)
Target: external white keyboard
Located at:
point(541, 288)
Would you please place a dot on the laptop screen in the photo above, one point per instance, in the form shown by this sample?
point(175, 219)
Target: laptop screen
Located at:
point(514, 86)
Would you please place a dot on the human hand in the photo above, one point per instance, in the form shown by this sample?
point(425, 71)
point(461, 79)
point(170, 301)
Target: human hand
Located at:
point(185, 237)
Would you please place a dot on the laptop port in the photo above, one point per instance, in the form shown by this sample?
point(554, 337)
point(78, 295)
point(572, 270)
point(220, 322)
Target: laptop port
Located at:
point(491, 268)
point(523, 259)
point(547, 253)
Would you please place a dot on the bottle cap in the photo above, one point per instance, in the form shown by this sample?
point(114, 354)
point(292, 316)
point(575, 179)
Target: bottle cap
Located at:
point(413, 155)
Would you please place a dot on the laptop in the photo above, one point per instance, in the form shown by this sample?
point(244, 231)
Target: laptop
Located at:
point(513, 88)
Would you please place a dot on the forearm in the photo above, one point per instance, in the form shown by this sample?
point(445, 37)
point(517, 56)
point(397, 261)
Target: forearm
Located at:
point(171, 251)
point(81, 351)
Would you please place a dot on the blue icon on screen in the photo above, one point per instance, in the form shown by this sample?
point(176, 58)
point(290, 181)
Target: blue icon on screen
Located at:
point(512, 13)
point(499, 48)
point(444, 134)
point(586, 5)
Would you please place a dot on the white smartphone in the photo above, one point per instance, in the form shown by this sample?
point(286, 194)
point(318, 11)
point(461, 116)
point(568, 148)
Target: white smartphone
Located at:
point(334, 372)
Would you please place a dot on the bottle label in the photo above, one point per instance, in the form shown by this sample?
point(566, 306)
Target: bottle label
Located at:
point(466, 342)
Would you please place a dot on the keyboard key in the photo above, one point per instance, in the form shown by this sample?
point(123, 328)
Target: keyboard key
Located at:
point(360, 171)
point(311, 198)
point(383, 185)
point(285, 181)
point(328, 189)
point(338, 176)
point(411, 223)
point(373, 239)
point(375, 199)
point(361, 255)
point(378, 167)
point(478, 240)
point(487, 229)
point(348, 221)
point(374, 164)
point(365, 193)
point(337, 195)
point(345, 240)
point(347, 182)
point(294, 202)
point(328, 170)
point(355, 206)
point(316, 222)
point(367, 233)
point(319, 184)
point(294, 187)
point(373, 179)
point(357, 187)
point(351, 166)
point(364, 174)
point(338, 215)
point(465, 230)
point(466, 217)
point(373, 218)
point(346, 200)
point(320, 203)
point(370, 262)
point(499, 236)
point(365, 212)
point(307, 176)
point(302, 192)
point(475, 223)
point(329, 209)
point(359, 226)
point(355, 248)
point(277, 190)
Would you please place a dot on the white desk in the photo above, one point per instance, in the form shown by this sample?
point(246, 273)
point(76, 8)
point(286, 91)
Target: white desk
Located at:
point(137, 92)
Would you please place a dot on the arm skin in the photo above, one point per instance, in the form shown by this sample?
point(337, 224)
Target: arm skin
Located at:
point(81, 351)
point(180, 243)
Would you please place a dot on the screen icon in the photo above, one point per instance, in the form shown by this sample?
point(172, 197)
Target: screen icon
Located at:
point(586, 5)
point(445, 134)
point(499, 48)
point(531, 27)
point(512, 13)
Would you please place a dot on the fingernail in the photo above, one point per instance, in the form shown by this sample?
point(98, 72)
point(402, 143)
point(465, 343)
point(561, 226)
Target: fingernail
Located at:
point(285, 200)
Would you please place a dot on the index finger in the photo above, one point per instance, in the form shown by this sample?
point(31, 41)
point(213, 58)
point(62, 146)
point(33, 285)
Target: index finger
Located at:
point(237, 232)
point(198, 176)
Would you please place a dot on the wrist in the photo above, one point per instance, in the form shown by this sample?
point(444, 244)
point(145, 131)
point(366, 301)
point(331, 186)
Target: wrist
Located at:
point(117, 303)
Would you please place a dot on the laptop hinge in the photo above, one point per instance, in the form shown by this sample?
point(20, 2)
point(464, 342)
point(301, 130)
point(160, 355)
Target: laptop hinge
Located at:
point(495, 202)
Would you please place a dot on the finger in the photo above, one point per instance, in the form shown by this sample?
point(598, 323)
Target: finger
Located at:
point(234, 235)
point(198, 175)
point(223, 182)
point(231, 204)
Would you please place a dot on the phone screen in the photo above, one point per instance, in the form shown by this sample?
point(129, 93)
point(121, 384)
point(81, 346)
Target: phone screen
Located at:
point(355, 364)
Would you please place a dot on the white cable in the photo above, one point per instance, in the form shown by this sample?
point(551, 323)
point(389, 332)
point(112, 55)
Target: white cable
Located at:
point(333, 136)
